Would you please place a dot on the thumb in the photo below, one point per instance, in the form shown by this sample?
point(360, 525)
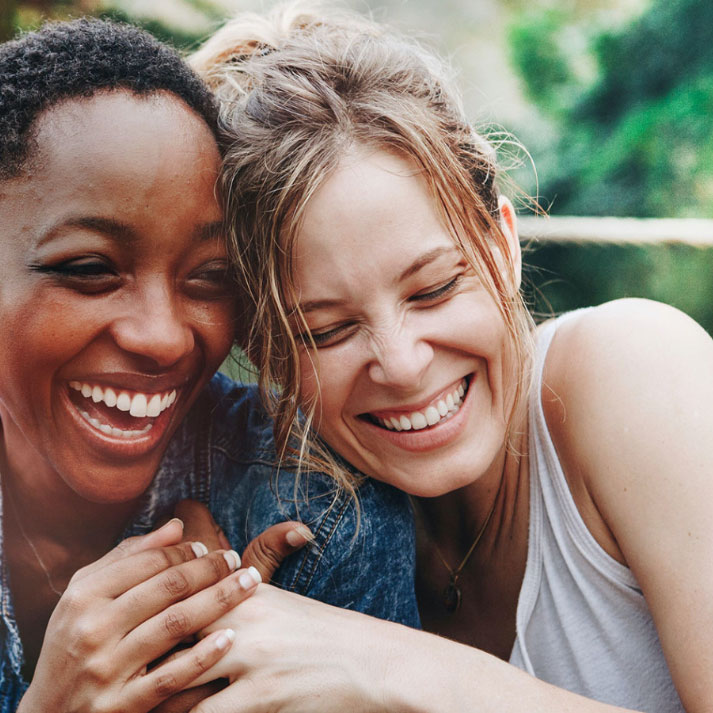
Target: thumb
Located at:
point(269, 548)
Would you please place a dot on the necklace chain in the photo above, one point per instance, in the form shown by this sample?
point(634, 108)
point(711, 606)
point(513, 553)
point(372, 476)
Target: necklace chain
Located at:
point(31, 544)
point(452, 594)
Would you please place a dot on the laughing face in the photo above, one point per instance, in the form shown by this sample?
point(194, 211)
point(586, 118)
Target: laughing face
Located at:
point(113, 296)
point(410, 372)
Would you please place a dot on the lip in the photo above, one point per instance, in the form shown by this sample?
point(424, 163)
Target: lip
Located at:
point(126, 381)
point(118, 447)
point(427, 439)
point(417, 406)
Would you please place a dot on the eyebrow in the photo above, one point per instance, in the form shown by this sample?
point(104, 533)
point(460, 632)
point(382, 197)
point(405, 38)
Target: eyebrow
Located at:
point(412, 269)
point(121, 232)
point(210, 231)
point(107, 226)
point(314, 305)
point(425, 259)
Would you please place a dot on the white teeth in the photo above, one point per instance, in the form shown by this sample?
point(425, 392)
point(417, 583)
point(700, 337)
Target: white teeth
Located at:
point(154, 406)
point(432, 416)
point(418, 420)
point(442, 410)
point(108, 430)
point(138, 406)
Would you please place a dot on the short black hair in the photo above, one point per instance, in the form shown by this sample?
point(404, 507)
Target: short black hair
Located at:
point(67, 60)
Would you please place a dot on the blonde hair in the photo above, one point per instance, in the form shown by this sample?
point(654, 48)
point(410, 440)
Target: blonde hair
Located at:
point(297, 88)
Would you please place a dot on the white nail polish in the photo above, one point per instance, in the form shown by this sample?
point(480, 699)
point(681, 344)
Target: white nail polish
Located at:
point(233, 559)
point(225, 639)
point(255, 575)
point(199, 549)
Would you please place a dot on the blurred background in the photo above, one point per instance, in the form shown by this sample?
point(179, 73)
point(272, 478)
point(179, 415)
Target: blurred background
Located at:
point(612, 99)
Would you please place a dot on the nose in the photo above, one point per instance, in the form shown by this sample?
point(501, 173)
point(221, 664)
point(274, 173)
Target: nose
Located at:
point(154, 327)
point(400, 358)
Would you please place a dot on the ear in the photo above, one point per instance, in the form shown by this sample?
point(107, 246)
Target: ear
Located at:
point(508, 224)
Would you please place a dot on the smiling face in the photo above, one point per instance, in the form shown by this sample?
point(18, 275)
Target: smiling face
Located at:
point(113, 294)
point(411, 375)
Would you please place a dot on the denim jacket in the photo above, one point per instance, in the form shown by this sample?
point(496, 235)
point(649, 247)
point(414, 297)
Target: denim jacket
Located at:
point(223, 455)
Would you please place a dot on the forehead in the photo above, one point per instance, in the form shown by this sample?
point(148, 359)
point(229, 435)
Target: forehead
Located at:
point(117, 156)
point(117, 127)
point(375, 206)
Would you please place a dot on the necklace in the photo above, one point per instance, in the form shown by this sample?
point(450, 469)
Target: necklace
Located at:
point(31, 544)
point(452, 594)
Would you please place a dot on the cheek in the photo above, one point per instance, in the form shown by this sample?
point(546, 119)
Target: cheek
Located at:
point(325, 380)
point(216, 326)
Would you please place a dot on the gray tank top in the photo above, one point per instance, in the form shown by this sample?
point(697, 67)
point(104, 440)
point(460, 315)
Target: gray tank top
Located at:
point(582, 621)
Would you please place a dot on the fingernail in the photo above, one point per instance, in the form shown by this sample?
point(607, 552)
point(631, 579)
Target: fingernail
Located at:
point(225, 639)
point(174, 519)
point(249, 578)
point(199, 549)
point(233, 559)
point(298, 536)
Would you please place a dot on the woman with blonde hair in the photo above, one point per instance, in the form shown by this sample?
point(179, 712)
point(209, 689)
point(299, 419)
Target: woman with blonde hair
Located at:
point(561, 475)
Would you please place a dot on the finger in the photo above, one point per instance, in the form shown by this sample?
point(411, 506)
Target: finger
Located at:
point(183, 702)
point(172, 676)
point(171, 585)
point(267, 551)
point(121, 576)
point(164, 536)
point(238, 697)
point(199, 525)
point(163, 631)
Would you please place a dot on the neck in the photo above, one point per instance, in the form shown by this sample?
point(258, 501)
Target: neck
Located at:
point(67, 530)
point(452, 520)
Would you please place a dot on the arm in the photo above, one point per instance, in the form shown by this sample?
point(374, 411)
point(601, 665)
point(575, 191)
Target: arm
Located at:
point(632, 422)
point(328, 659)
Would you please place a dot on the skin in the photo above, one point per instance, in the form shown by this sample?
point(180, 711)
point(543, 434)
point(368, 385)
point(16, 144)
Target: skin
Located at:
point(627, 396)
point(111, 272)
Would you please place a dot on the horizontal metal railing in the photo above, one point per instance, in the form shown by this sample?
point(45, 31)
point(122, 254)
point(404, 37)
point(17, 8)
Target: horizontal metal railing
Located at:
point(691, 231)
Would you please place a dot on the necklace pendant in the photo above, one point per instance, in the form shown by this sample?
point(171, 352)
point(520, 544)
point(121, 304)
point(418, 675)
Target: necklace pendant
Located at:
point(452, 597)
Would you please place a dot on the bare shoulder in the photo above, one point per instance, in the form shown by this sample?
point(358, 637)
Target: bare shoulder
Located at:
point(628, 398)
point(626, 348)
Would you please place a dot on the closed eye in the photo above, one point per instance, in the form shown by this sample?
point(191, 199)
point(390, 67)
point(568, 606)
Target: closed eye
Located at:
point(209, 282)
point(437, 293)
point(329, 337)
point(91, 275)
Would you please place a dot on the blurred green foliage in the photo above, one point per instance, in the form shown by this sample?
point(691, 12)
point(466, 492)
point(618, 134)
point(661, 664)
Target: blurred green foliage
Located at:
point(636, 139)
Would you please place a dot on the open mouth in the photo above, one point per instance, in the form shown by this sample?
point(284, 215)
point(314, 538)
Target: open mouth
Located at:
point(436, 413)
point(119, 413)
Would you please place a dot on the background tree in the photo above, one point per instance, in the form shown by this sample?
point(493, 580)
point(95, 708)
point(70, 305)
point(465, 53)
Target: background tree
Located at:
point(633, 139)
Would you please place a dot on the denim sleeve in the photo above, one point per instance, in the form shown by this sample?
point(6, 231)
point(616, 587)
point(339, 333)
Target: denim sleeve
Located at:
point(363, 555)
point(362, 558)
